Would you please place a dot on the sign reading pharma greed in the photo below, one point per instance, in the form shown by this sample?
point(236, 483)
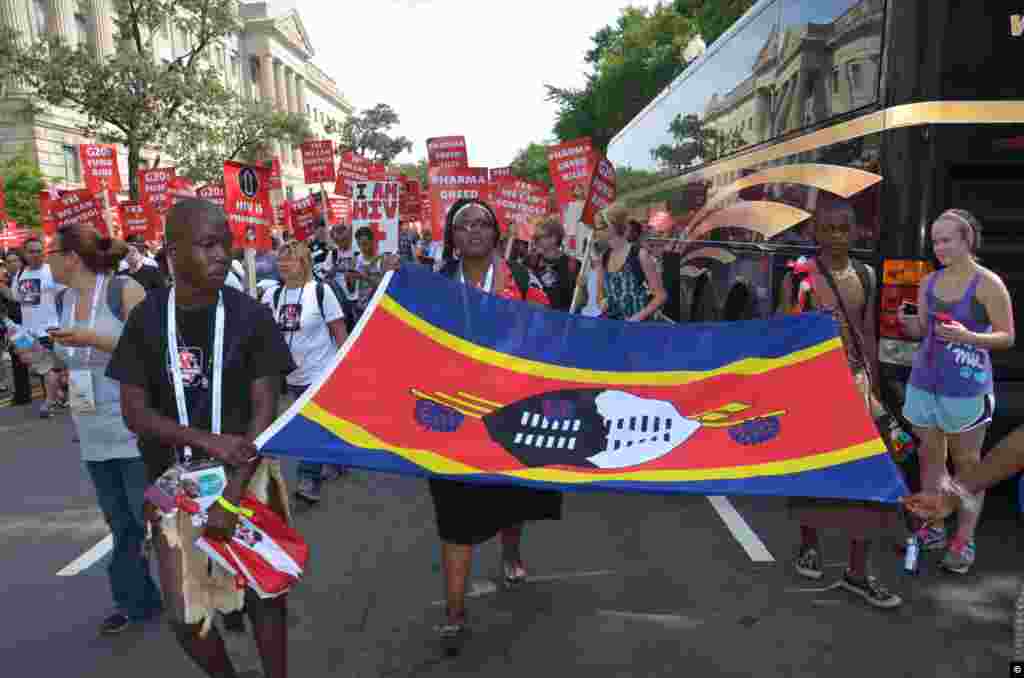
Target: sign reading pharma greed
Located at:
point(318, 161)
point(448, 186)
point(247, 205)
point(447, 152)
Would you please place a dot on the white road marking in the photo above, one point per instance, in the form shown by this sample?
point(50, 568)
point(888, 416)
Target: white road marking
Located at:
point(484, 587)
point(747, 538)
point(821, 589)
point(89, 558)
point(670, 620)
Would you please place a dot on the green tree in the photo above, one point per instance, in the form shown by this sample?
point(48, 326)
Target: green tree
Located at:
point(418, 170)
point(368, 134)
point(132, 98)
point(242, 131)
point(531, 163)
point(22, 181)
point(632, 61)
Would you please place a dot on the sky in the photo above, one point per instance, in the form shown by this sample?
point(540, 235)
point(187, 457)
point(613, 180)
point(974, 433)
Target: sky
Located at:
point(449, 67)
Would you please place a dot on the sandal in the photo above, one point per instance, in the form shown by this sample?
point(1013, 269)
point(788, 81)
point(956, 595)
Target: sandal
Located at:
point(453, 637)
point(515, 573)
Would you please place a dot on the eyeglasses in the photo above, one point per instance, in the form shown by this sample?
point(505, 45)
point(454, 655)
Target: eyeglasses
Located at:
point(479, 226)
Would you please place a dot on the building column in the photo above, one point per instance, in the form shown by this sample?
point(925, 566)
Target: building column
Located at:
point(289, 81)
point(279, 98)
point(15, 14)
point(61, 21)
point(300, 89)
point(267, 91)
point(103, 23)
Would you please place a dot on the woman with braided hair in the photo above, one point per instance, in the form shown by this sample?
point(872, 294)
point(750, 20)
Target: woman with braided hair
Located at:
point(468, 515)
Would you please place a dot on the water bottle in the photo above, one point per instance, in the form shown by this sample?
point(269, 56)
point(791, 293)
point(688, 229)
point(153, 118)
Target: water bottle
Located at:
point(28, 347)
point(19, 337)
point(913, 551)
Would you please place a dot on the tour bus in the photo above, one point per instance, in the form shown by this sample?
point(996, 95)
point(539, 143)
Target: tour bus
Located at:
point(898, 109)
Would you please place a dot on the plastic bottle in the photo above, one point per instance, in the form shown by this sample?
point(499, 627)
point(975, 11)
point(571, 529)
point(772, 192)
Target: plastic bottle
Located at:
point(28, 347)
point(18, 336)
point(913, 551)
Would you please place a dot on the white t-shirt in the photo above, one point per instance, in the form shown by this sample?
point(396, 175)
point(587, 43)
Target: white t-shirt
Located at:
point(36, 291)
point(305, 330)
point(146, 261)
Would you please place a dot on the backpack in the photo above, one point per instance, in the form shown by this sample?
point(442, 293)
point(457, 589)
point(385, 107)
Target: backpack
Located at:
point(115, 298)
point(519, 273)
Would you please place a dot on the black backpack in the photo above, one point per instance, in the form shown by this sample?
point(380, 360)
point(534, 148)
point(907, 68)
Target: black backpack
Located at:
point(519, 273)
point(114, 298)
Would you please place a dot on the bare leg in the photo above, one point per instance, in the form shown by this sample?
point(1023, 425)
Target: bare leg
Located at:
point(511, 544)
point(932, 457)
point(809, 538)
point(270, 628)
point(965, 449)
point(457, 560)
point(51, 385)
point(208, 653)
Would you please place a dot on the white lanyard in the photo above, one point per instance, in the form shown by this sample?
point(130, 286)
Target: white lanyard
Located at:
point(92, 316)
point(488, 279)
point(218, 366)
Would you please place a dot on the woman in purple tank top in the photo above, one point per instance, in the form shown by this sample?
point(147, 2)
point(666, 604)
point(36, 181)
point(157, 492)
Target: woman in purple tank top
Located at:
point(965, 312)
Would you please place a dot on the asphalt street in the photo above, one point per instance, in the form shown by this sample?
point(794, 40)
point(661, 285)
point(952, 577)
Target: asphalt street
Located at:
point(625, 585)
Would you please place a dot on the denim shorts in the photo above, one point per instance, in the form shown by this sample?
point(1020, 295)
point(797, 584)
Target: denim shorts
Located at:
point(949, 415)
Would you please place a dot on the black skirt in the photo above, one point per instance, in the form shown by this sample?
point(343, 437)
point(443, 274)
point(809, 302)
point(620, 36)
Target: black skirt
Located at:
point(472, 514)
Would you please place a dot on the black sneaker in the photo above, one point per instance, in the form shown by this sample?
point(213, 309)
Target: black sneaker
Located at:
point(115, 623)
point(871, 590)
point(808, 564)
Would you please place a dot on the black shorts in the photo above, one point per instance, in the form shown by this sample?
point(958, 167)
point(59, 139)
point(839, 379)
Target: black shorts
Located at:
point(471, 514)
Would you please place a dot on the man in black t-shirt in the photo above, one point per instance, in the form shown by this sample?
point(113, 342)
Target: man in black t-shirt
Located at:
point(255, 358)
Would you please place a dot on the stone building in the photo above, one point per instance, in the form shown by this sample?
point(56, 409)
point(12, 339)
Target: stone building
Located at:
point(270, 59)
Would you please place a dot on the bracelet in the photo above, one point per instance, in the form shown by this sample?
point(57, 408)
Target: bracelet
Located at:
point(968, 501)
point(231, 508)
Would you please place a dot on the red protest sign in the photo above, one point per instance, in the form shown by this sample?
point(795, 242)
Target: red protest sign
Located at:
point(247, 205)
point(276, 183)
point(99, 167)
point(448, 186)
point(338, 209)
point(75, 208)
point(602, 190)
point(213, 193)
point(352, 169)
point(571, 165)
point(427, 217)
point(447, 152)
point(181, 188)
point(411, 201)
point(304, 213)
point(11, 236)
point(318, 161)
point(135, 221)
point(377, 172)
point(375, 204)
point(154, 189)
point(518, 203)
point(499, 172)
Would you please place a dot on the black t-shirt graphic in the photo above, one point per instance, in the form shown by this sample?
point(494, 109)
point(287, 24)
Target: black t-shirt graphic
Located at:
point(30, 291)
point(253, 348)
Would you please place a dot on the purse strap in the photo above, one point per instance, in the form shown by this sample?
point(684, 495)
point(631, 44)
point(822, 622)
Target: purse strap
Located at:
point(858, 344)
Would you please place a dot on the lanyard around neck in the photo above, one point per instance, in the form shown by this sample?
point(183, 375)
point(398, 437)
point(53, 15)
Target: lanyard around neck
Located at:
point(92, 316)
point(218, 366)
point(488, 279)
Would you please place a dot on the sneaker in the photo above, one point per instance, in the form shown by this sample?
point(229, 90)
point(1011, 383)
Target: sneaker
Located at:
point(44, 411)
point(960, 556)
point(808, 564)
point(932, 538)
point(308, 491)
point(871, 590)
point(115, 623)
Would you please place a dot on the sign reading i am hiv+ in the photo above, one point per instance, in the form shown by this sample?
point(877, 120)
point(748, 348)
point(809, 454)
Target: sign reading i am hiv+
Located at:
point(247, 205)
point(375, 204)
point(318, 161)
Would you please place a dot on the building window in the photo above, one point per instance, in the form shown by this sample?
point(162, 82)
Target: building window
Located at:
point(857, 77)
point(39, 17)
point(72, 170)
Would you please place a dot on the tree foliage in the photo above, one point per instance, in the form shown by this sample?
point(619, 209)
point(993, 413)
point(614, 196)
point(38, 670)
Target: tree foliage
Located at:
point(632, 61)
point(531, 164)
point(695, 143)
point(368, 135)
point(133, 97)
point(418, 170)
point(22, 181)
point(241, 133)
